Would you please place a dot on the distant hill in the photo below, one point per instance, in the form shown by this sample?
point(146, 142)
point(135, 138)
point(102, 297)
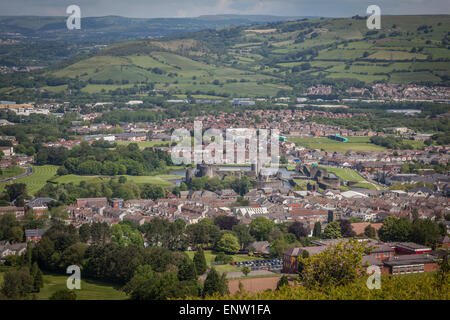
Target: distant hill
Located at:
point(123, 28)
point(268, 59)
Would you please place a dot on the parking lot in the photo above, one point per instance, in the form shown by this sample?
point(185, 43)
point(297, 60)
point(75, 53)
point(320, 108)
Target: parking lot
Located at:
point(266, 264)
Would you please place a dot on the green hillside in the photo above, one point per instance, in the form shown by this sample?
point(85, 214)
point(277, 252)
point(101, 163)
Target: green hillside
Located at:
point(263, 60)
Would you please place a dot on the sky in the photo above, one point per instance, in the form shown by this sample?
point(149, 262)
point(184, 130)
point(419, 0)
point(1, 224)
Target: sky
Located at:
point(194, 8)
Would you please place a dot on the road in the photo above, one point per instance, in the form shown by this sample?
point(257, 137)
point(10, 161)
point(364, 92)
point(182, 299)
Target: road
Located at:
point(28, 171)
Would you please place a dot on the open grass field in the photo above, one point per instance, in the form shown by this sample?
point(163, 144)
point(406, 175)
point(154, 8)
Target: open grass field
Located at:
point(161, 180)
point(90, 290)
point(209, 255)
point(345, 174)
point(11, 172)
point(36, 180)
point(144, 144)
point(354, 144)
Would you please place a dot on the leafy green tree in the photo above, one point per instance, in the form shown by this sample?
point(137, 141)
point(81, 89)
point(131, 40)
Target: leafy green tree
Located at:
point(261, 227)
point(228, 244)
point(332, 231)
point(200, 262)
point(425, 232)
point(395, 229)
point(17, 284)
point(245, 270)
point(154, 192)
point(124, 235)
point(149, 285)
point(370, 232)
point(346, 229)
point(187, 271)
point(337, 265)
point(225, 222)
point(317, 231)
point(299, 230)
point(215, 284)
point(38, 279)
point(84, 232)
point(16, 190)
point(242, 231)
point(284, 281)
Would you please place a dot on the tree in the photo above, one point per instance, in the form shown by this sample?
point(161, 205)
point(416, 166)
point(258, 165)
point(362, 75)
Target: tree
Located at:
point(425, 232)
point(332, 231)
point(200, 261)
point(124, 235)
point(214, 283)
point(187, 271)
point(346, 229)
point(38, 280)
point(225, 222)
point(228, 244)
point(17, 284)
point(245, 270)
point(16, 190)
point(261, 227)
point(337, 265)
point(242, 231)
point(84, 232)
point(299, 230)
point(370, 232)
point(395, 229)
point(317, 231)
point(64, 294)
point(284, 281)
point(154, 192)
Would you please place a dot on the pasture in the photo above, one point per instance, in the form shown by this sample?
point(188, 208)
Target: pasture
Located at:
point(323, 143)
point(37, 179)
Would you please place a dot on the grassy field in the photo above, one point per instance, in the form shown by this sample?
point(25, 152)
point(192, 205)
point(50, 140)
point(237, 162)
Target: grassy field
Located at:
point(209, 255)
point(90, 290)
point(11, 172)
point(36, 180)
point(144, 144)
point(161, 180)
point(345, 174)
point(354, 144)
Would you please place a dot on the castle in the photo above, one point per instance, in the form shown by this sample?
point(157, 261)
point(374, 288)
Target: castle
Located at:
point(259, 179)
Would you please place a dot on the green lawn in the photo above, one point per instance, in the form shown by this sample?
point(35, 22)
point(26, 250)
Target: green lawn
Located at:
point(11, 172)
point(345, 174)
point(144, 144)
point(90, 290)
point(354, 143)
point(38, 179)
point(364, 185)
point(209, 255)
point(161, 179)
